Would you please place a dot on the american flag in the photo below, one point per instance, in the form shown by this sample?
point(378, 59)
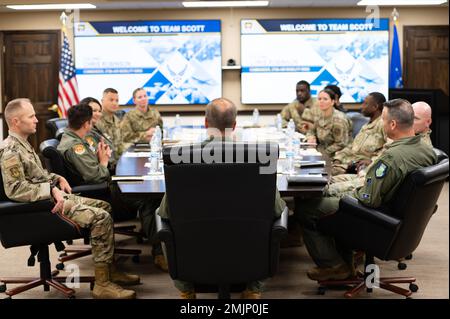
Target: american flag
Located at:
point(67, 87)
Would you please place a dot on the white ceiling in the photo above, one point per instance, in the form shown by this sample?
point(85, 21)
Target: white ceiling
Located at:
point(174, 4)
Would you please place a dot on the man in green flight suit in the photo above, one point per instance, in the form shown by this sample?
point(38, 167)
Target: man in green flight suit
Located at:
point(93, 168)
point(406, 153)
point(220, 120)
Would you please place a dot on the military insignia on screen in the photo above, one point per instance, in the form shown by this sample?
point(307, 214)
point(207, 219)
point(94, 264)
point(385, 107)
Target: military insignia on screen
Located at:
point(79, 149)
point(381, 170)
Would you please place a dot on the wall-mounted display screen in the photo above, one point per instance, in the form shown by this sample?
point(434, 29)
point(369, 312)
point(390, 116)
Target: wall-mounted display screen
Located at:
point(177, 62)
point(276, 54)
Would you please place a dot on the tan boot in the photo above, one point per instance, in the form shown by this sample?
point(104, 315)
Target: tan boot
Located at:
point(122, 278)
point(250, 294)
point(160, 262)
point(339, 272)
point(105, 289)
point(188, 295)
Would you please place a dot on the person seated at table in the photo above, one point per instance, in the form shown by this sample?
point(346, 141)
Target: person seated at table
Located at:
point(406, 153)
point(138, 125)
point(25, 180)
point(91, 167)
point(220, 121)
point(304, 103)
point(331, 131)
point(368, 142)
point(347, 183)
point(338, 105)
point(94, 137)
point(109, 123)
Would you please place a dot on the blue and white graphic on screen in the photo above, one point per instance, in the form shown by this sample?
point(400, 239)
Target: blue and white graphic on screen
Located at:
point(183, 68)
point(350, 53)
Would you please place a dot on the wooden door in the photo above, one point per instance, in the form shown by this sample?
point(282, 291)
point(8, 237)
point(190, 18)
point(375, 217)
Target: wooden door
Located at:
point(426, 57)
point(31, 62)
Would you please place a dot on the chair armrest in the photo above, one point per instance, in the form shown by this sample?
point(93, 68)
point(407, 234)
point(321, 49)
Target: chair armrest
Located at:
point(94, 189)
point(165, 234)
point(15, 208)
point(352, 206)
point(359, 227)
point(279, 228)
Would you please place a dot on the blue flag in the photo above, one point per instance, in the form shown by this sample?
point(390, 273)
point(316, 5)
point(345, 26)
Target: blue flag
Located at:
point(395, 73)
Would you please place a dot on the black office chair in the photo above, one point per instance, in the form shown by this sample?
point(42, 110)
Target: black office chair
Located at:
point(54, 162)
point(33, 224)
point(390, 233)
point(55, 124)
point(358, 121)
point(222, 229)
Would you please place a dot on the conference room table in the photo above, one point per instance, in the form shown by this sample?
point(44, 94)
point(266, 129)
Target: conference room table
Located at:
point(133, 178)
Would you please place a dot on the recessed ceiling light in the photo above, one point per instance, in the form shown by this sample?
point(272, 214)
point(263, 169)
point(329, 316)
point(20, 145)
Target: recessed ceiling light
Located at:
point(211, 4)
point(400, 2)
point(55, 6)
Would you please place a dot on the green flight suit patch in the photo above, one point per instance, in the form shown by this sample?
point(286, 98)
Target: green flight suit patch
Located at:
point(381, 170)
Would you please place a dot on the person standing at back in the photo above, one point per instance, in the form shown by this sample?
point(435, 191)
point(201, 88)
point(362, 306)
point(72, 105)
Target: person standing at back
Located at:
point(138, 125)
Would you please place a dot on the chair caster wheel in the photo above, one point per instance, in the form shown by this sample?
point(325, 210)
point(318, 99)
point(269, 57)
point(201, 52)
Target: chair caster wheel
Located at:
point(71, 297)
point(409, 257)
point(60, 266)
point(91, 286)
point(7, 297)
point(369, 290)
point(2, 287)
point(413, 287)
point(136, 259)
point(321, 290)
point(402, 266)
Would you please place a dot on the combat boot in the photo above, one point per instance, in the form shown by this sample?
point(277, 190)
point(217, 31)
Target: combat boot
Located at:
point(122, 278)
point(339, 272)
point(250, 294)
point(160, 262)
point(190, 294)
point(105, 289)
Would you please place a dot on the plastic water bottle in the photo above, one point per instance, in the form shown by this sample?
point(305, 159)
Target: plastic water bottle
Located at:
point(177, 126)
point(154, 154)
point(255, 117)
point(290, 157)
point(291, 128)
point(279, 123)
point(296, 147)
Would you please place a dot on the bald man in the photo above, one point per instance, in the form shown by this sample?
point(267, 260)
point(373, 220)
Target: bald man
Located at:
point(422, 121)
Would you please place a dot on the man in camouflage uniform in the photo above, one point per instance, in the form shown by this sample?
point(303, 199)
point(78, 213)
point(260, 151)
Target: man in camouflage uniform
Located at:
point(25, 180)
point(138, 125)
point(109, 123)
point(91, 167)
point(369, 140)
point(304, 103)
point(406, 153)
point(347, 183)
point(220, 120)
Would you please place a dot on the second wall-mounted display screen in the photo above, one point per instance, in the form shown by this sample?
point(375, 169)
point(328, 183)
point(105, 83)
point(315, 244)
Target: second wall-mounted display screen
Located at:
point(276, 54)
